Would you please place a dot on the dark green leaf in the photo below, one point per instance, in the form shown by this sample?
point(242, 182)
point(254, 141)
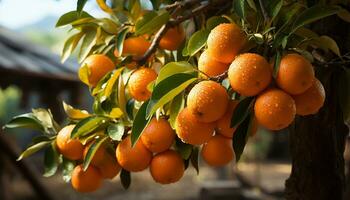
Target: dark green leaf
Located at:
point(25, 121)
point(239, 139)
point(92, 150)
point(116, 131)
point(33, 149)
point(194, 158)
point(70, 17)
point(277, 62)
point(240, 7)
point(197, 41)
point(273, 7)
point(216, 20)
point(167, 89)
point(80, 5)
point(51, 160)
point(172, 68)
point(125, 178)
point(241, 112)
point(185, 150)
point(120, 40)
point(130, 108)
point(177, 104)
point(88, 125)
point(140, 122)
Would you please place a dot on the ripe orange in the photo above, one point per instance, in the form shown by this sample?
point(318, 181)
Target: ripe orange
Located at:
point(218, 151)
point(69, 148)
point(210, 66)
point(190, 130)
point(136, 46)
point(274, 109)
point(295, 74)
point(224, 123)
point(173, 38)
point(98, 156)
point(167, 167)
point(225, 41)
point(311, 100)
point(86, 181)
point(207, 101)
point(138, 82)
point(249, 74)
point(158, 136)
point(135, 158)
point(109, 167)
point(99, 66)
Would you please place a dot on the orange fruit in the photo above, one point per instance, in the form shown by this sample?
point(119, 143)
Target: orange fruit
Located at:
point(158, 136)
point(190, 130)
point(138, 82)
point(224, 123)
point(311, 100)
point(210, 66)
point(136, 46)
point(225, 41)
point(167, 167)
point(207, 101)
point(69, 148)
point(109, 167)
point(86, 181)
point(274, 109)
point(99, 65)
point(295, 74)
point(173, 38)
point(218, 151)
point(249, 74)
point(135, 158)
point(98, 156)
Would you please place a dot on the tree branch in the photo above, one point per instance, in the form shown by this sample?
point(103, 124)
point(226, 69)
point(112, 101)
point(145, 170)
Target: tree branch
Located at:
point(171, 23)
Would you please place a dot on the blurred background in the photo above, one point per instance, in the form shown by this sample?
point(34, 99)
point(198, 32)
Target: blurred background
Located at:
point(32, 76)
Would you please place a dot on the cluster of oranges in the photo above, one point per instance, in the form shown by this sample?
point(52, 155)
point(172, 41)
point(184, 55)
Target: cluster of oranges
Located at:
point(206, 120)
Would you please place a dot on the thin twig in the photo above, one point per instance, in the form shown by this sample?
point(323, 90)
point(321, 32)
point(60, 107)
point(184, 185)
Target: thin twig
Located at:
point(171, 23)
point(220, 77)
point(263, 10)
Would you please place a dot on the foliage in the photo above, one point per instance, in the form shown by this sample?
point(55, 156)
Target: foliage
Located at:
point(272, 29)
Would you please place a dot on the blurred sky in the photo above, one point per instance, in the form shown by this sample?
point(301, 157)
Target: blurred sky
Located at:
point(17, 13)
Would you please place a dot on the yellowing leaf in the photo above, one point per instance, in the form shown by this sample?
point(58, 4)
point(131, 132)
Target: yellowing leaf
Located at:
point(84, 74)
point(75, 113)
point(121, 95)
point(329, 43)
point(344, 15)
point(116, 113)
point(104, 6)
point(111, 82)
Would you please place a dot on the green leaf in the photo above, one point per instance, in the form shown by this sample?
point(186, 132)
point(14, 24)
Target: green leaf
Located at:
point(116, 131)
point(69, 46)
point(120, 40)
point(197, 41)
point(68, 167)
point(109, 26)
point(277, 63)
point(46, 119)
point(185, 150)
point(95, 145)
point(140, 122)
point(112, 82)
point(70, 17)
point(329, 43)
point(313, 14)
point(33, 149)
point(51, 160)
point(88, 42)
point(273, 7)
point(194, 158)
point(80, 5)
point(153, 25)
point(241, 112)
point(177, 104)
point(125, 179)
point(167, 89)
point(149, 16)
point(174, 68)
point(88, 125)
point(130, 108)
point(240, 7)
point(216, 20)
point(240, 137)
point(121, 96)
point(25, 121)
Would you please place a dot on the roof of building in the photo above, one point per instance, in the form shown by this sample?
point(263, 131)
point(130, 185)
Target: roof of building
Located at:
point(20, 55)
